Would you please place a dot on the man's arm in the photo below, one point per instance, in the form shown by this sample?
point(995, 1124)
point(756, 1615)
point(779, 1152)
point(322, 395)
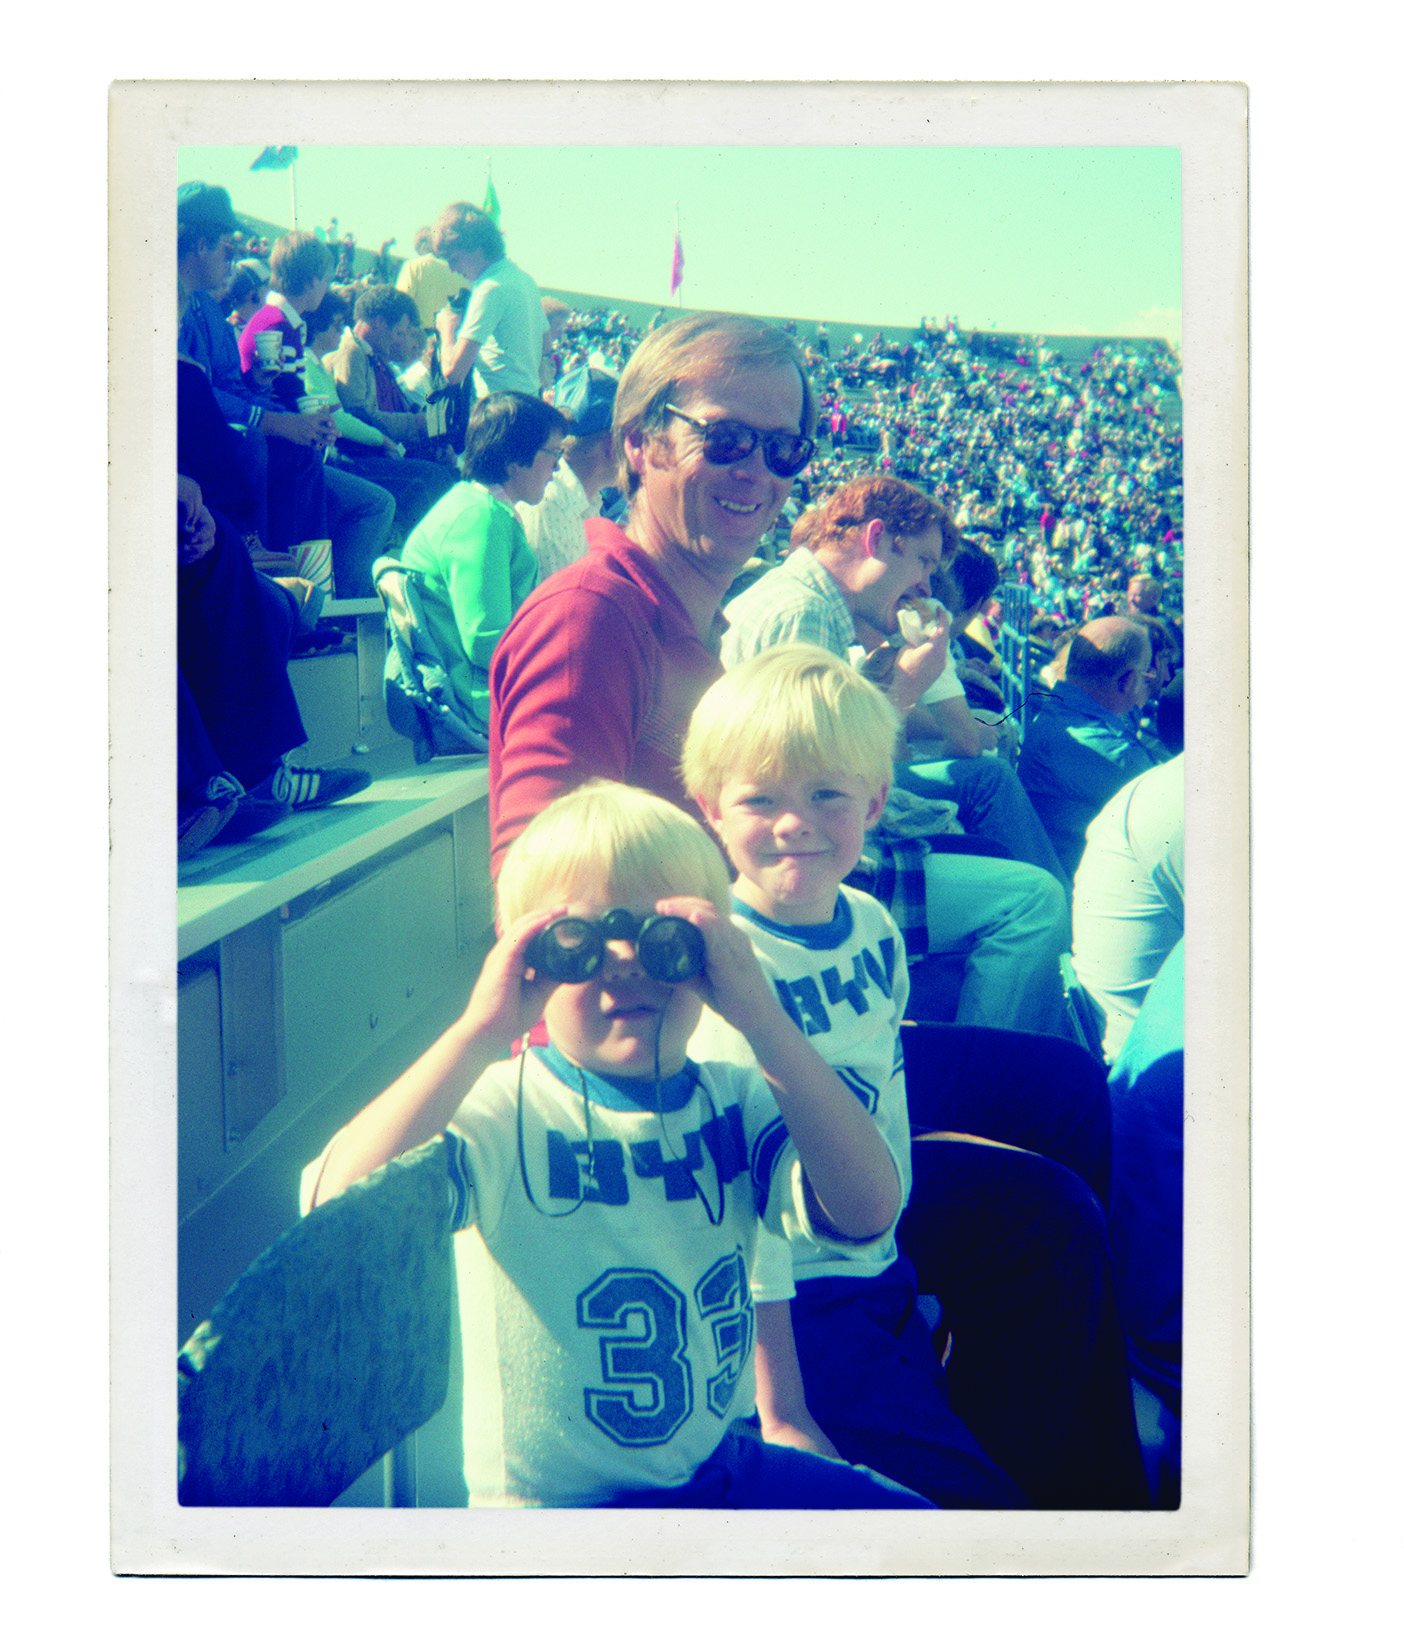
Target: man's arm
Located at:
point(952, 722)
point(457, 353)
point(317, 429)
point(355, 386)
point(462, 343)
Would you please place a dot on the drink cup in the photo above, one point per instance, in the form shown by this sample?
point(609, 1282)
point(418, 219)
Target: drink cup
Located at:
point(268, 344)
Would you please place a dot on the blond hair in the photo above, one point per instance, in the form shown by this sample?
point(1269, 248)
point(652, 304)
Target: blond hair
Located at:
point(636, 845)
point(793, 709)
point(676, 355)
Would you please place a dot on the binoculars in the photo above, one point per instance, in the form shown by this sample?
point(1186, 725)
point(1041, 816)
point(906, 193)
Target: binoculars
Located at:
point(572, 949)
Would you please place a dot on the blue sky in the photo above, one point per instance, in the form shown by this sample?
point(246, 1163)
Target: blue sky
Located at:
point(1057, 239)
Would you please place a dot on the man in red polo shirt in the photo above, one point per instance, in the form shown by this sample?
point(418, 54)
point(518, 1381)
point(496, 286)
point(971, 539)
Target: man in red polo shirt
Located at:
point(598, 673)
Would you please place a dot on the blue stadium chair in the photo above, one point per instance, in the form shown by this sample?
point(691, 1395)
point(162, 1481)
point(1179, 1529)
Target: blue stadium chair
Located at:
point(329, 1351)
point(1035, 1091)
point(419, 699)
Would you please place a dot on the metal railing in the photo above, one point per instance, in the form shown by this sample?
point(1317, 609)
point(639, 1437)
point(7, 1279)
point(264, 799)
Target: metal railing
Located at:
point(1017, 605)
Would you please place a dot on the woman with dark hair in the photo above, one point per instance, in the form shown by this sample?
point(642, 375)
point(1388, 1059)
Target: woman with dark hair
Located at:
point(472, 560)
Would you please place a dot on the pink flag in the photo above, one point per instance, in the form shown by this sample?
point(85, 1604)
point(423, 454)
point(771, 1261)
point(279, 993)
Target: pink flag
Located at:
point(677, 265)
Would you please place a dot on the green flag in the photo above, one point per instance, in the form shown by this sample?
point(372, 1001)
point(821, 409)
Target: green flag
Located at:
point(490, 205)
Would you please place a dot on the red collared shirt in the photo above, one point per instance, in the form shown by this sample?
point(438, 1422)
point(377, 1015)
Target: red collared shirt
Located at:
point(596, 677)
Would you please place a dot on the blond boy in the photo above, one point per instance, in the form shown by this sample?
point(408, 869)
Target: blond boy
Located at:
point(611, 1189)
point(789, 756)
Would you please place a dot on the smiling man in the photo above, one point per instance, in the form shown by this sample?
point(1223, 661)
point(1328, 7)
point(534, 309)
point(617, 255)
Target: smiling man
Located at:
point(599, 672)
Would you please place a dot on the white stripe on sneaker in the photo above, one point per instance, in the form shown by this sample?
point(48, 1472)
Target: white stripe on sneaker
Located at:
point(296, 785)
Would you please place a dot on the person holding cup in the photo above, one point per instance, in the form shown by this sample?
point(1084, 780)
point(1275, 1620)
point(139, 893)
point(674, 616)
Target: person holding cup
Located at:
point(301, 266)
point(297, 499)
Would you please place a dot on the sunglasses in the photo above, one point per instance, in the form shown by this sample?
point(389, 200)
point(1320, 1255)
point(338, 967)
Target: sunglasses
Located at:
point(726, 442)
point(572, 949)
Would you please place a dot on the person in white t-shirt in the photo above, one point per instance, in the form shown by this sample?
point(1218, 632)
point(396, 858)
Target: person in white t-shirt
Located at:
point(1129, 896)
point(500, 336)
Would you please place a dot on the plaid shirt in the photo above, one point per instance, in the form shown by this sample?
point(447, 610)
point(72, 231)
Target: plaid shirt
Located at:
point(799, 602)
point(796, 602)
point(892, 869)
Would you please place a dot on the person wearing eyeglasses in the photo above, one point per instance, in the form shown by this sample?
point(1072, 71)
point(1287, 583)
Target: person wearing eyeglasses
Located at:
point(598, 673)
point(472, 560)
point(1082, 745)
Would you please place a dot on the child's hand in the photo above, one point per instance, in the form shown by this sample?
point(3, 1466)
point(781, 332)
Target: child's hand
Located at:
point(732, 983)
point(505, 1004)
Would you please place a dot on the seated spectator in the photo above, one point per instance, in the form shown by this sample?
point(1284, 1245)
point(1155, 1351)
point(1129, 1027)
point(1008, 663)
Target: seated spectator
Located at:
point(602, 666)
point(248, 291)
point(1082, 746)
point(325, 327)
point(1165, 656)
point(474, 564)
point(301, 507)
point(872, 548)
point(555, 528)
point(386, 333)
point(239, 717)
point(360, 512)
point(302, 268)
point(279, 452)
point(415, 482)
point(1129, 896)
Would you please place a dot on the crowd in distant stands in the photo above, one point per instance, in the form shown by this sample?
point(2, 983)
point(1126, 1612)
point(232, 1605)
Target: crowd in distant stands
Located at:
point(1070, 472)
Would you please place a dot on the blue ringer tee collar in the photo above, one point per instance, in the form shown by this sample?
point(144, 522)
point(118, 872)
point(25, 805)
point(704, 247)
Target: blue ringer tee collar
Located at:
point(812, 935)
point(622, 1092)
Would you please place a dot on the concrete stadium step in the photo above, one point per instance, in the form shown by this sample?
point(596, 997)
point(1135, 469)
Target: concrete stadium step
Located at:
point(340, 692)
point(316, 961)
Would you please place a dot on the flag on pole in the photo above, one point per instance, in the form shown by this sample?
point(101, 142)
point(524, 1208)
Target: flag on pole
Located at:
point(490, 206)
point(677, 264)
point(274, 159)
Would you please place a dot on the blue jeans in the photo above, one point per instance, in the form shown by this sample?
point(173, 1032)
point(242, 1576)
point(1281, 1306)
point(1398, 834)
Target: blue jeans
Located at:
point(1009, 922)
point(874, 1384)
point(991, 802)
point(744, 1472)
point(415, 485)
point(235, 631)
point(359, 516)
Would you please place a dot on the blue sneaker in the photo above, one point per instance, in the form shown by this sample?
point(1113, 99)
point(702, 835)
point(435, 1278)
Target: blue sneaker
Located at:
point(302, 788)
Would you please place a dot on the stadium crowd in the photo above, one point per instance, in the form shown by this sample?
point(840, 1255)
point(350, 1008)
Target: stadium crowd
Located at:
point(597, 522)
